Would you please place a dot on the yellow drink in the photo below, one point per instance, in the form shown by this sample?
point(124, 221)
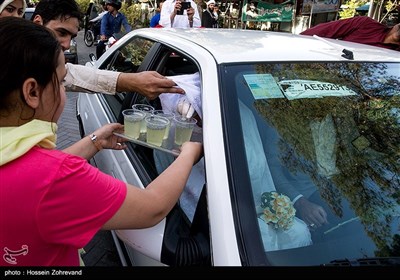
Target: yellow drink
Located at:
point(132, 121)
point(182, 134)
point(132, 129)
point(156, 127)
point(155, 136)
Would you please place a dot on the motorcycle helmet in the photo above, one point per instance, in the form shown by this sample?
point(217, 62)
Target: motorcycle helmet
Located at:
point(115, 3)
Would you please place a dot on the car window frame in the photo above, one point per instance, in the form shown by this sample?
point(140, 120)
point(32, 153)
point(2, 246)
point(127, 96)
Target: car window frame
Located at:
point(155, 60)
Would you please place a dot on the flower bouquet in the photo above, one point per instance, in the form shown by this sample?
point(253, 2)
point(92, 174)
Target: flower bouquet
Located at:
point(278, 210)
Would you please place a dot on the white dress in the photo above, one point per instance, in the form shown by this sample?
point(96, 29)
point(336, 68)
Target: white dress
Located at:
point(298, 235)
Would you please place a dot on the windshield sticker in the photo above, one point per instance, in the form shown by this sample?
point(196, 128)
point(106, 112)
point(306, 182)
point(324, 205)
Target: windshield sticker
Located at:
point(263, 86)
point(296, 89)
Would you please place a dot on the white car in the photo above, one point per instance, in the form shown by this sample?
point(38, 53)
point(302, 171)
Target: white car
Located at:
point(291, 125)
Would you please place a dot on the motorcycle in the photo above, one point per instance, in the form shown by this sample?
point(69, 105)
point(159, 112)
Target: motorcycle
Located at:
point(109, 42)
point(92, 33)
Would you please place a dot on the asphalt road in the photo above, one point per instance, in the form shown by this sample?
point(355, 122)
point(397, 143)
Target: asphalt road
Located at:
point(83, 50)
point(101, 250)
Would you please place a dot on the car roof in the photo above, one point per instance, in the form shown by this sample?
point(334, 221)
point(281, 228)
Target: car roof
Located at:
point(238, 45)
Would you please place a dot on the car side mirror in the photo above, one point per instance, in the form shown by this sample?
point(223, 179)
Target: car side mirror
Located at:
point(92, 57)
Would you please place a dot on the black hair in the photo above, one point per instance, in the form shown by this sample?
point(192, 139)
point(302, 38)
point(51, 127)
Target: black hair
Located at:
point(57, 9)
point(115, 3)
point(28, 50)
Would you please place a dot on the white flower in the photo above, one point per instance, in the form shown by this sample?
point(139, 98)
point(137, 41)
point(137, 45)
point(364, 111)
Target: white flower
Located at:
point(278, 210)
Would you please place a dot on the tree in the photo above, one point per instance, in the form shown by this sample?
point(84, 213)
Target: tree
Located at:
point(379, 9)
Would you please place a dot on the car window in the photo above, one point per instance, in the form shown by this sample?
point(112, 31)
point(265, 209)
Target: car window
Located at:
point(127, 59)
point(130, 56)
point(327, 132)
point(143, 54)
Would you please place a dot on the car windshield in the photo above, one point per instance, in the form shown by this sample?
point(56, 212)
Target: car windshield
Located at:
point(326, 136)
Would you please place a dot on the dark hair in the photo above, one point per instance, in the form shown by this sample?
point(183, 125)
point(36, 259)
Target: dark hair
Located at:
point(57, 9)
point(115, 3)
point(28, 50)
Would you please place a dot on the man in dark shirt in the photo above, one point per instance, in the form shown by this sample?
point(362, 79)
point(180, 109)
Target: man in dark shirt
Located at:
point(208, 18)
point(360, 29)
point(111, 23)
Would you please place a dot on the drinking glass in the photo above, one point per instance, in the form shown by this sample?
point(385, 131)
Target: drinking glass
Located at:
point(148, 110)
point(169, 116)
point(156, 126)
point(132, 121)
point(183, 129)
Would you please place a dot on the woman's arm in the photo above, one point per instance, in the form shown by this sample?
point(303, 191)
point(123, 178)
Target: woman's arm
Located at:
point(102, 138)
point(146, 207)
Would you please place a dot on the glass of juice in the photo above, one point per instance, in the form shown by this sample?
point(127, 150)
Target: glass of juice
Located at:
point(169, 116)
point(156, 126)
point(148, 109)
point(132, 122)
point(183, 129)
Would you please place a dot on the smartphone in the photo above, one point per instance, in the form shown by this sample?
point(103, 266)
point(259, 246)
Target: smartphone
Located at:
point(185, 6)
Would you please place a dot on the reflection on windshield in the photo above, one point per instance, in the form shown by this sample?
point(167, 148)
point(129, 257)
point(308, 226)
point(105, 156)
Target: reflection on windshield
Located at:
point(331, 140)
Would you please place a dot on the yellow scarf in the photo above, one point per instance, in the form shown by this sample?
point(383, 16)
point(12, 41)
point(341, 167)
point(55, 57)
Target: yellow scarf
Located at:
point(16, 141)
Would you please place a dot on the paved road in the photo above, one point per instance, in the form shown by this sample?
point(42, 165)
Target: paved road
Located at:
point(101, 250)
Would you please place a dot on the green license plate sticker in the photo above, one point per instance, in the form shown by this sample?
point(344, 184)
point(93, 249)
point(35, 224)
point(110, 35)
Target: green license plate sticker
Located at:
point(263, 86)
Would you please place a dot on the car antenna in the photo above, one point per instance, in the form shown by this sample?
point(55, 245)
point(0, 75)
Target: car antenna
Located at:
point(346, 53)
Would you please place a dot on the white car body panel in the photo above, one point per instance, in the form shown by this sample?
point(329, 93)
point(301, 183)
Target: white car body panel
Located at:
point(222, 46)
point(227, 45)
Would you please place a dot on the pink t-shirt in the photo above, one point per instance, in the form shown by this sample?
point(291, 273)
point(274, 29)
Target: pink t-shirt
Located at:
point(52, 204)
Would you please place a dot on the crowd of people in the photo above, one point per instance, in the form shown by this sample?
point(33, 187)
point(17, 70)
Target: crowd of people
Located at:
point(206, 14)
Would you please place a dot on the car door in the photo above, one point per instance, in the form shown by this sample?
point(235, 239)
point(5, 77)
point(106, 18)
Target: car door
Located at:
point(177, 240)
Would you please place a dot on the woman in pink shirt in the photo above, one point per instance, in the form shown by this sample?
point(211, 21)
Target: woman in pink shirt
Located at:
point(52, 203)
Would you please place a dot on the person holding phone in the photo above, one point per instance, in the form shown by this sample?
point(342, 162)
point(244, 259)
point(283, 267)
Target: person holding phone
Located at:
point(180, 14)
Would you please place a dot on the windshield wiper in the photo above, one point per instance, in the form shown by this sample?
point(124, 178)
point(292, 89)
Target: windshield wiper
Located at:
point(395, 261)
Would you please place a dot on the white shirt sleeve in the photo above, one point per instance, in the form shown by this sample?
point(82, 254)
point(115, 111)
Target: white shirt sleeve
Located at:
point(166, 10)
point(99, 17)
point(84, 78)
point(296, 198)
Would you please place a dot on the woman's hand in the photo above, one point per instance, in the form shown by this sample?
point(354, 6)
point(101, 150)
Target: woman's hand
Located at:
point(107, 139)
point(194, 149)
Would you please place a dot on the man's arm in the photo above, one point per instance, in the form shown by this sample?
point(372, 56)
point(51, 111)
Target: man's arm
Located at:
point(126, 24)
point(103, 26)
point(87, 79)
point(99, 17)
point(148, 83)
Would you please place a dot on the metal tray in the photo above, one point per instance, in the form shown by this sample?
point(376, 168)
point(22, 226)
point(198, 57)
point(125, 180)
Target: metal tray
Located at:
point(165, 147)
